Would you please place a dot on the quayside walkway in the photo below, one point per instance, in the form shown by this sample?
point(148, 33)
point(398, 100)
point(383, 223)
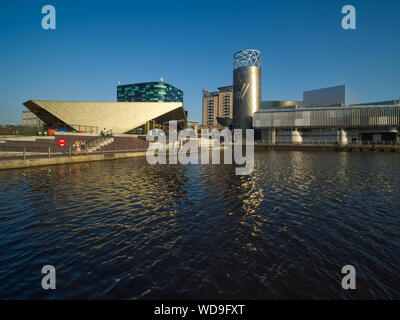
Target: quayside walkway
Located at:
point(23, 152)
point(332, 147)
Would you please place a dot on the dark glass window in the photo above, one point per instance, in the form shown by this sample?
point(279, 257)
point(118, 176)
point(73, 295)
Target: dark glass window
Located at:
point(149, 92)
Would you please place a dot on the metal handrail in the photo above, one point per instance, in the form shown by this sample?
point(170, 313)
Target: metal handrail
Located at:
point(15, 152)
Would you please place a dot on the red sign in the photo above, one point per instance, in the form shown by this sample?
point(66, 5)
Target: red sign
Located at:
point(61, 143)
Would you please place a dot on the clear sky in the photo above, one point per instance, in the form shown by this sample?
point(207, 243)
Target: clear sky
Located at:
point(190, 44)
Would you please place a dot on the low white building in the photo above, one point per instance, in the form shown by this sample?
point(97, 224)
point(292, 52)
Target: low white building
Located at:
point(29, 119)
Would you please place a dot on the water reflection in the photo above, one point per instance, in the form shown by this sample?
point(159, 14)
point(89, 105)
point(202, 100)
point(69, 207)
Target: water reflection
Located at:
point(125, 229)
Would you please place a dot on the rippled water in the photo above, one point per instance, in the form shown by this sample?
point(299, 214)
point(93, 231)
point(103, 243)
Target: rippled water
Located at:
point(126, 229)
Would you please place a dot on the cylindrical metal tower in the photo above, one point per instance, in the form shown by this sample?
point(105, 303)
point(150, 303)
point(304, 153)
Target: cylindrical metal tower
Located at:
point(246, 87)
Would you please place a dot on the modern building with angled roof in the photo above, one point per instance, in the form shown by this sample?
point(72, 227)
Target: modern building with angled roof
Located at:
point(117, 117)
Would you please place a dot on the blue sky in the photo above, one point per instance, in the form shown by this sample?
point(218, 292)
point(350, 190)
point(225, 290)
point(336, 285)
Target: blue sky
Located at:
point(190, 44)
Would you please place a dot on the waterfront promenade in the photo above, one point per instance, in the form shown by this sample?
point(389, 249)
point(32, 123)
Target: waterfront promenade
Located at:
point(38, 161)
point(332, 147)
point(15, 160)
point(23, 151)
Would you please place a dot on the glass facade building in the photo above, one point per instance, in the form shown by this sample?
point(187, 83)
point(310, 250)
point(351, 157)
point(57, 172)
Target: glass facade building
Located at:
point(149, 92)
point(350, 117)
point(365, 124)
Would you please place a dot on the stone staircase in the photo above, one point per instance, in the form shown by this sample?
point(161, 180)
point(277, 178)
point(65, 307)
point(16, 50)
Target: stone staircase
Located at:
point(97, 144)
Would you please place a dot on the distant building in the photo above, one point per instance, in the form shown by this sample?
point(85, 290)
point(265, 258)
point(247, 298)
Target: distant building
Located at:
point(217, 104)
point(192, 124)
point(379, 103)
point(29, 119)
point(281, 104)
point(329, 97)
point(149, 92)
point(329, 115)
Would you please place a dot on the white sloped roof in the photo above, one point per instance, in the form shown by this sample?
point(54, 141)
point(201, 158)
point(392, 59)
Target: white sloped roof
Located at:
point(118, 116)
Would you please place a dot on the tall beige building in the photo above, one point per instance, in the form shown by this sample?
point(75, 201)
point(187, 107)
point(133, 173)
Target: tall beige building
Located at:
point(217, 104)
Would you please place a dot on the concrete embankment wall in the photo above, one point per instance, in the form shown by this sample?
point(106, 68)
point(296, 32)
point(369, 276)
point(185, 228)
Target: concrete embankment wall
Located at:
point(41, 144)
point(329, 147)
point(15, 164)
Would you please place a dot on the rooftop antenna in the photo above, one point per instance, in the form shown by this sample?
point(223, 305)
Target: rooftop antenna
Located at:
point(119, 82)
point(161, 79)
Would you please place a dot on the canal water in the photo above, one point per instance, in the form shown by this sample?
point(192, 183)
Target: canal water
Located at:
point(125, 229)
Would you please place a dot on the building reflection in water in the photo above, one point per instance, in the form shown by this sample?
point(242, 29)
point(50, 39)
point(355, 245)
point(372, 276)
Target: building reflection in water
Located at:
point(126, 229)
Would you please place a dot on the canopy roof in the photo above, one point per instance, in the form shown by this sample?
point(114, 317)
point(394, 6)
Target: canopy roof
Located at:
point(120, 117)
